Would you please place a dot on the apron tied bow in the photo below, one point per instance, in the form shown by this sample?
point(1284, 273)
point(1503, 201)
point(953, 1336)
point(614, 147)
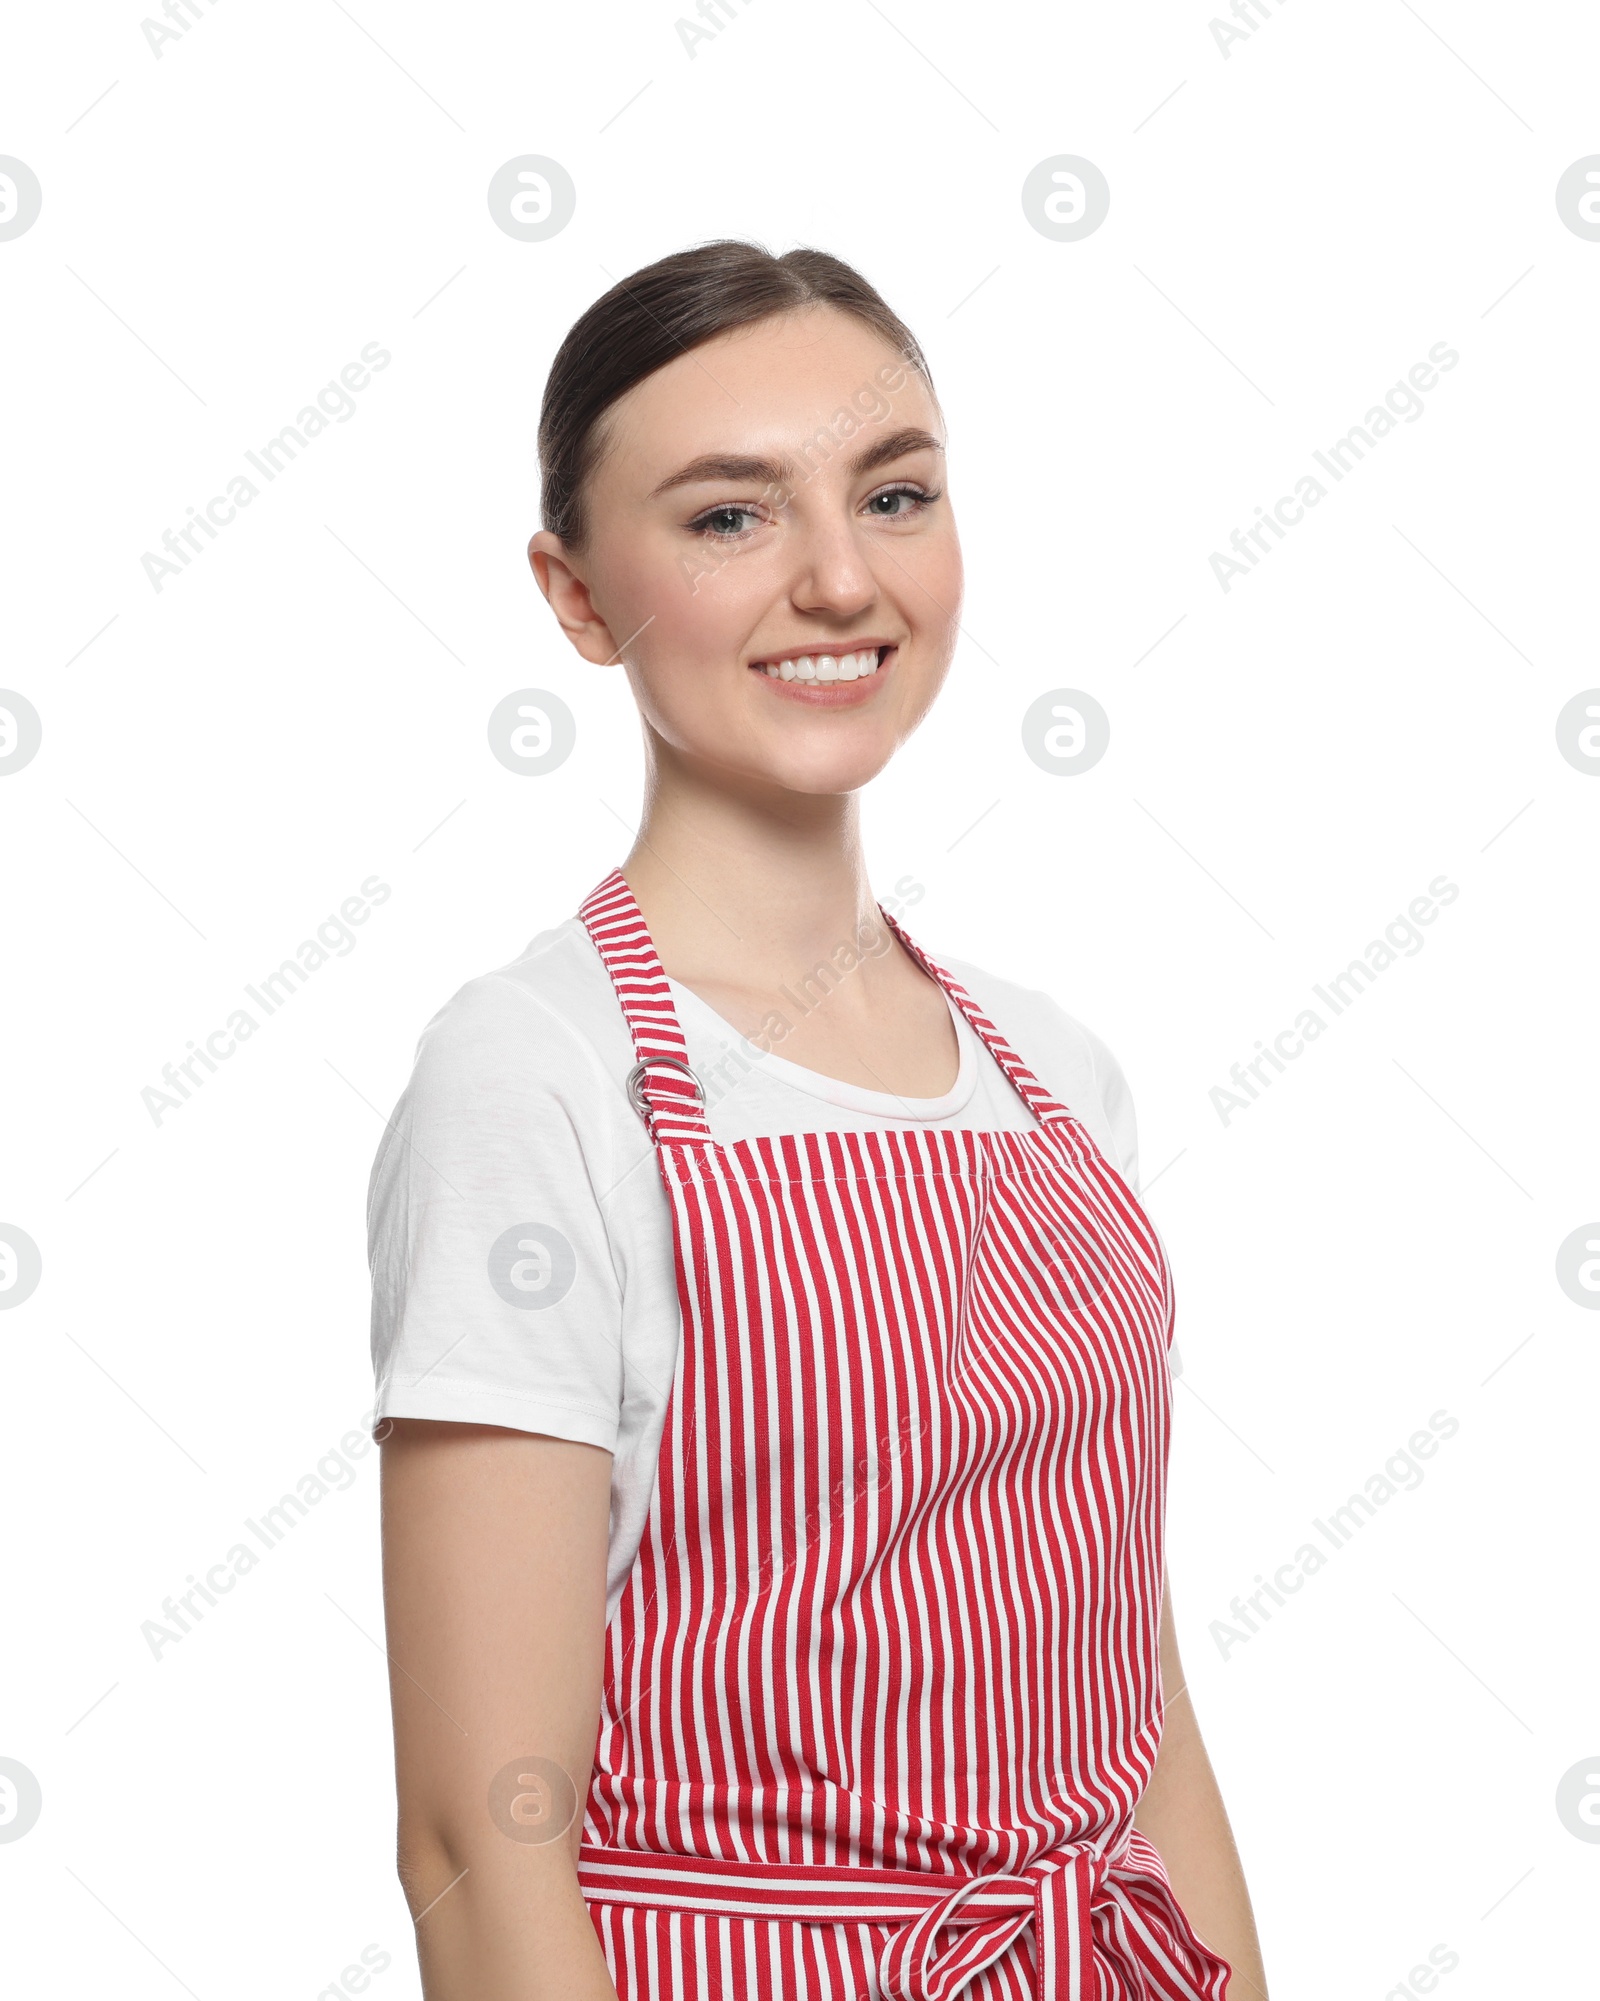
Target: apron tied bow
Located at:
point(1054, 1894)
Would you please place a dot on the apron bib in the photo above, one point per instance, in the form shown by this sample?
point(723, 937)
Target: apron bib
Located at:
point(882, 1690)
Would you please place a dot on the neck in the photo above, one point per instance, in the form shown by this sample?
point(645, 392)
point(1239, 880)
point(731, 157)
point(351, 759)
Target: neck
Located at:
point(743, 883)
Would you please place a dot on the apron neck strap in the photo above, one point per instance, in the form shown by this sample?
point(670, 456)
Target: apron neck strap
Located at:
point(662, 1086)
point(1047, 1110)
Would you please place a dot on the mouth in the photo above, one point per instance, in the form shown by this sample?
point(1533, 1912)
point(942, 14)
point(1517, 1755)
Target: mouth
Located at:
point(832, 676)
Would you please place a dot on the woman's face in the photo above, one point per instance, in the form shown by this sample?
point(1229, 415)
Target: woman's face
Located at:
point(771, 552)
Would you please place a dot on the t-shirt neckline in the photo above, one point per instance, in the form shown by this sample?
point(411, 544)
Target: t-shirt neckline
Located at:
point(835, 1090)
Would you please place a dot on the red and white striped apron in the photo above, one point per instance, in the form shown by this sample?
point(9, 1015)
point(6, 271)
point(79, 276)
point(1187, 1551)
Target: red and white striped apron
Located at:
point(883, 1689)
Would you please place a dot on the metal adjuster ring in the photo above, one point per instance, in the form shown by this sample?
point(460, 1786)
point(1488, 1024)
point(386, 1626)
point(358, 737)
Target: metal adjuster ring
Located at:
point(635, 1082)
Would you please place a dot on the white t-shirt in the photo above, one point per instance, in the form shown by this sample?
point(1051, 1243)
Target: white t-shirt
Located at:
point(519, 1234)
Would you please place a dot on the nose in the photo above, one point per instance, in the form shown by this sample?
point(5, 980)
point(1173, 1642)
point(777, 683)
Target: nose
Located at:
point(831, 572)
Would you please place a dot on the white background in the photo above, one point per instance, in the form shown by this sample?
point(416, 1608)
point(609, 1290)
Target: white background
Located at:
point(1292, 226)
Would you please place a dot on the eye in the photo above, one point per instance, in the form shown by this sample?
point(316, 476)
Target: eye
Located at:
point(899, 503)
point(726, 523)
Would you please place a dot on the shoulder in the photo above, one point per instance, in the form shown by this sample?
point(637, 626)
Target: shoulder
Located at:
point(1072, 1060)
point(518, 1075)
point(547, 1019)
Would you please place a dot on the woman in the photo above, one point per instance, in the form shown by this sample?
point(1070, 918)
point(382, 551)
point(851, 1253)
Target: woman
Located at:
point(776, 1362)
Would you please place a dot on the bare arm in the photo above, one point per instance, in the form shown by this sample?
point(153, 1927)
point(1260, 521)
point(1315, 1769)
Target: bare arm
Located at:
point(1183, 1814)
point(494, 1562)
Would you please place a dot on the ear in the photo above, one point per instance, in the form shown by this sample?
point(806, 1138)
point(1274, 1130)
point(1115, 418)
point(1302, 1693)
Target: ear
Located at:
point(556, 572)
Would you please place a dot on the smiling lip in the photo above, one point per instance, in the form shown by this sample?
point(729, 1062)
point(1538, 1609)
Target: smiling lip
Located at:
point(829, 693)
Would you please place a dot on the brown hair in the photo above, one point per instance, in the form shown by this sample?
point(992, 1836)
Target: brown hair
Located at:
point(650, 317)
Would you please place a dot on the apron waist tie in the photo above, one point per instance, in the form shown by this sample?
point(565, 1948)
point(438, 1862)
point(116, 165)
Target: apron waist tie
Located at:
point(1055, 1894)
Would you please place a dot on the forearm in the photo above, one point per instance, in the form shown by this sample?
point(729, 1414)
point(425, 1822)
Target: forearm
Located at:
point(1183, 1815)
point(514, 1927)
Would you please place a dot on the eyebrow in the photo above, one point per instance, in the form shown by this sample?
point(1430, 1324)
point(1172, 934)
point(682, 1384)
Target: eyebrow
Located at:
point(780, 472)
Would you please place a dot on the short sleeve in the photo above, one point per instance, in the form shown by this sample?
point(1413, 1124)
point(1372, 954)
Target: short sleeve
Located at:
point(495, 1298)
point(1116, 1104)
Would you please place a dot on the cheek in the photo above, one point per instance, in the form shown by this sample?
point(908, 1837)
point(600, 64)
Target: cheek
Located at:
point(701, 609)
point(932, 563)
point(668, 600)
point(706, 605)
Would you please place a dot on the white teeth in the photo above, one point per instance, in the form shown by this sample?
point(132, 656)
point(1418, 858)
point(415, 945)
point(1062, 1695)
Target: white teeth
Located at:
point(823, 666)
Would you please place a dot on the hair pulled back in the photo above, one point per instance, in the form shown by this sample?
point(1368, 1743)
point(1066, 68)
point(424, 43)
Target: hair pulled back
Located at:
point(655, 314)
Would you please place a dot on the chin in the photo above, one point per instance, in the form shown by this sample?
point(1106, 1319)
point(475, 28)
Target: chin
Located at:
point(829, 772)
